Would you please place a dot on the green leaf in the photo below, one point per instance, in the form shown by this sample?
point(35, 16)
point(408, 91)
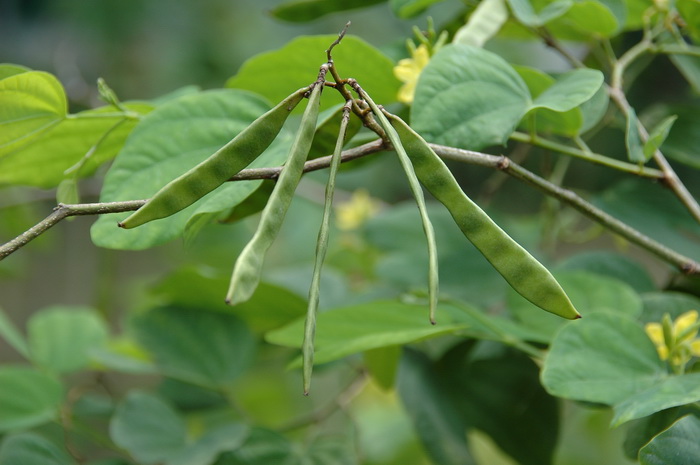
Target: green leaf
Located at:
point(619, 267)
point(570, 90)
point(656, 304)
point(689, 66)
point(483, 23)
point(589, 293)
point(670, 392)
point(100, 133)
point(525, 12)
point(641, 431)
point(61, 338)
point(344, 331)
point(604, 357)
point(382, 364)
point(9, 69)
point(204, 348)
point(302, 11)
point(587, 19)
point(594, 110)
point(32, 449)
point(683, 138)
point(633, 143)
point(148, 427)
point(263, 447)
point(690, 12)
point(28, 398)
point(300, 59)
point(499, 392)
point(30, 103)
point(211, 444)
point(12, 335)
point(169, 141)
point(678, 445)
point(438, 425)
point(468, 97)
point(269, 308)
point(405, 9)
point(658, 135)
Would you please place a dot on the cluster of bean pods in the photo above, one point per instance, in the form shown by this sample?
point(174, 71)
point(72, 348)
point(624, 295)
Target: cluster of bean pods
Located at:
point(421, 166)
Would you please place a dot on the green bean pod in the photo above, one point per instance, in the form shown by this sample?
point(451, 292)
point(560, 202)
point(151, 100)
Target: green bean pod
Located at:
point(238, 153)
point(520, 269)
point(321, 248)
point(433, 280)
point(248, 267)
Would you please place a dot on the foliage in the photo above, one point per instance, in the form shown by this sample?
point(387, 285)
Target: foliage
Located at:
point(178, 377)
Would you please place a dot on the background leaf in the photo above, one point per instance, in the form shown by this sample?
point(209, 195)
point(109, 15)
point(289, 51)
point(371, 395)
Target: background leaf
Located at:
point(301, 11)
point(28, 398)
point(12, 335)
point(301, 58)
point(678, 445)
point(30, 448)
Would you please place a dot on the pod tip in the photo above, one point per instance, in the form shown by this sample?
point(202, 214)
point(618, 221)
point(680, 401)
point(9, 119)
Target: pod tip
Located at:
point(121, 225)
point(578, 315)
point(306, 393)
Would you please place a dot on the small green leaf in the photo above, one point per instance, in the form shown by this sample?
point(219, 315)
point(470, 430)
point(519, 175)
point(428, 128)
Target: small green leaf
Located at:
point(667, 393)
point(483, 23)
point(169, 141)
point(32, 449)
point(11, 335)
point(640, 432)
point(30, 103)
point(635, 150)
point(204, 348)
point(301, 59)
point(678, 445)
point(359, 328)
point(67, 192)
point(605, 357)
point(468, 97)
point(570, 90)
point(525, 13)
point(148, 427)
point(586, 19)
point(61, 338)
point(211, 444)
point(405, 9)
point(658, 135)
point(302, 11)
point(594, 110)
point(28, 398)
point(382, 364)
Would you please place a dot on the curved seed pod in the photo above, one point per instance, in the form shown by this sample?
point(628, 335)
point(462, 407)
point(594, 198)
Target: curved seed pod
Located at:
point(433, 280)
point(321, 248)
point(520, 269)
point(238, 153)
point(246, 271)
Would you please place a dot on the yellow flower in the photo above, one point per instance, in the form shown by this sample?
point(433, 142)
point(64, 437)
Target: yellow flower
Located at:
point(353, 213)
point(408, 70)
point(676, 341)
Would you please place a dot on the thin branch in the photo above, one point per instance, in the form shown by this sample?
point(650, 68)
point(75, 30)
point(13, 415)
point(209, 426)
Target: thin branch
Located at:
point(683, 263)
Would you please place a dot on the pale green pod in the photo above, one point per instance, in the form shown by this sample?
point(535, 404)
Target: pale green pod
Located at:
point(248, 267)
point(238, 153)
point(520, 269)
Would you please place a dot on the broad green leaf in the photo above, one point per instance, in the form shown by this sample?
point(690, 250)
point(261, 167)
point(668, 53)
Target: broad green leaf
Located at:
point(678, 445)
point(594, 110)
point(483, 23)
point(670, 392)
point(439, 426)
point(204, 348)
point(468, 97)
point(32, 449)
point(613, 265)
point(656, 304)
point(499, 393)
point(100, 133)
point(640, 432)
point(9, 69)
point(570, 90)
point(61, 338)
point(589, 293)
point(124, 355)
point(302, 11)
point(547, 120)
point(300, 59)
point(657, 136)
point(269, 308)
point(148, 427)
point(211, 444)
point(409, 8)
point(345, 331)
point(12, 335)
point(525, 13)
point(382, 364)
point(633, 143)
point(30, 103)
point(169, 141)
point(604, 357)
point(587, 19)
point(654, 211)
point(28, 398)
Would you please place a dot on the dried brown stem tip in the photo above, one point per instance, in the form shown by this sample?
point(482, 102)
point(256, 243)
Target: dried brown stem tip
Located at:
point(337, 41)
